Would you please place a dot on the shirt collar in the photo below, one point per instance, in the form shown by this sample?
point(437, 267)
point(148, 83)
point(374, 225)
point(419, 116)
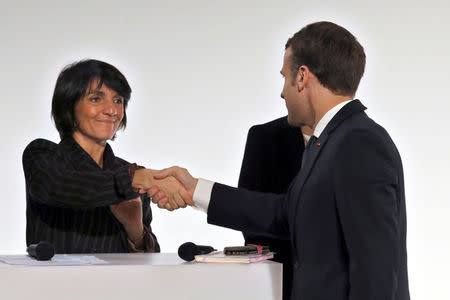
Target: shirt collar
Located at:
point(327, 118)
point(305, 139)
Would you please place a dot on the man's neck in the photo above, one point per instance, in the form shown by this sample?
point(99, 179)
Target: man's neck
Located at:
point(323, 102)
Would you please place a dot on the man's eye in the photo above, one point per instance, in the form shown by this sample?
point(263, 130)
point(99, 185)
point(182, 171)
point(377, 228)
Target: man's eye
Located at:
point(118, 101)
point(94, 99)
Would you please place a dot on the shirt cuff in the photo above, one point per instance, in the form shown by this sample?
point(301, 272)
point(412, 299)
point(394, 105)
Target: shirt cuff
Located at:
point(202, 194)
point(122, 182)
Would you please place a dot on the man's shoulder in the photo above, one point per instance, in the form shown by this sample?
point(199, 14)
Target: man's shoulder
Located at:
point(360, 134)
point(277, 123)
point(362, 125)
point(278, 126)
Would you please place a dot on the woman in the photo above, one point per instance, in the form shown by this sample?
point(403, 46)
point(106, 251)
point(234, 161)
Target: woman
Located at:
point(79, 195)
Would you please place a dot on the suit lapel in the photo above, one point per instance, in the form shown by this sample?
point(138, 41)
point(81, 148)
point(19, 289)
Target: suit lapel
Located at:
point(344, 113)
point(306, 169)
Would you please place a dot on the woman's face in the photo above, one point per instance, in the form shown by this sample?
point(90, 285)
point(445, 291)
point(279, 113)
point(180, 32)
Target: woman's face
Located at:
point(98, 113)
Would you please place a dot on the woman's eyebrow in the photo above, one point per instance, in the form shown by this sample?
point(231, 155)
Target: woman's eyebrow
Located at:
point(96, 92)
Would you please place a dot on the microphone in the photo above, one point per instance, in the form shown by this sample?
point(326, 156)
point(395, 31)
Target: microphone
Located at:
point(189, 250)
point(41, 251)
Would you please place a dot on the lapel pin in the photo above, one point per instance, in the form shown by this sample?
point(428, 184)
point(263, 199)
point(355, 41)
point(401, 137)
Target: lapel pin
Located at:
point(318, 144)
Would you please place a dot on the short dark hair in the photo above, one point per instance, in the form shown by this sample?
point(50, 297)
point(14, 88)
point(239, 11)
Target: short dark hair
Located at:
point(72, 84)
point(332, 54)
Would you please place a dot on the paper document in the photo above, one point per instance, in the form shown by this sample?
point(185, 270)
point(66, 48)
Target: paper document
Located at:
point(57, 260)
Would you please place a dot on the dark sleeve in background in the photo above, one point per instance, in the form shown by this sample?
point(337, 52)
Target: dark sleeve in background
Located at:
point(52, 180)
point(271, 160)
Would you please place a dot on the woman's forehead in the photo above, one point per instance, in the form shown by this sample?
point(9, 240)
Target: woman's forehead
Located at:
point(96, 86)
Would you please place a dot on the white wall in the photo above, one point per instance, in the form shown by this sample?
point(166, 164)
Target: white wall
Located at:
point(202, 73)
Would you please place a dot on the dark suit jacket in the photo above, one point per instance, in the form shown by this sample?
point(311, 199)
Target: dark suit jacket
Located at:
point(344, 213)
point(272, 158)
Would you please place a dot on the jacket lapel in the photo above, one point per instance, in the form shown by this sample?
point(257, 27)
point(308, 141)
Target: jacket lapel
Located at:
point(344, 113)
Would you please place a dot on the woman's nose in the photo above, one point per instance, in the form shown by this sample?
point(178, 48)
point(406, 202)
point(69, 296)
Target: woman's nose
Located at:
point(110, 109)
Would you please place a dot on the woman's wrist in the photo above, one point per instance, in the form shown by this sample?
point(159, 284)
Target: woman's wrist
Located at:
point(143, 179)
point(136, 234)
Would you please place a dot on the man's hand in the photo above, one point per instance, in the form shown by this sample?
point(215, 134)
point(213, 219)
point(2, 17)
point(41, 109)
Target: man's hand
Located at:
point(129, 214)
point(168, 190)
point(181, 175)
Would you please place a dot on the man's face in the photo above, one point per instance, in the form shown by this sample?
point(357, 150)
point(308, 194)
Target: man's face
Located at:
point(297, 104)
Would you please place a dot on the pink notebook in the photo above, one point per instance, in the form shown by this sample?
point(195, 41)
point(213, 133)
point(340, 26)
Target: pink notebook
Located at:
point(219, 257)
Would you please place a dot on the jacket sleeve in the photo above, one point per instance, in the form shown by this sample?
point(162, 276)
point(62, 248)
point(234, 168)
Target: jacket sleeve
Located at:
point(366, 185)
point(51, 180)
point(244, 210)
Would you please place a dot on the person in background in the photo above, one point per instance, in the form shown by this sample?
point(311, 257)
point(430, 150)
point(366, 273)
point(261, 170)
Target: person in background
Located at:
point(272, 158)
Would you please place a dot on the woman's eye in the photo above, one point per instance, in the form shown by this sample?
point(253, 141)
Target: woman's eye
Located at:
point(118, 101)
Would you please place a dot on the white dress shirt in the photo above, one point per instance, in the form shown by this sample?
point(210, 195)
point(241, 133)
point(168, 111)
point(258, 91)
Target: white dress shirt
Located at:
point(203, 190)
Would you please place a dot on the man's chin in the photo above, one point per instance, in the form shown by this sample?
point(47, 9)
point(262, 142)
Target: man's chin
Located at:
point(294, 123)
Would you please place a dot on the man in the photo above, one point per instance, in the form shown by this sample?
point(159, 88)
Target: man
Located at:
point(345, 210)
point(272, 158)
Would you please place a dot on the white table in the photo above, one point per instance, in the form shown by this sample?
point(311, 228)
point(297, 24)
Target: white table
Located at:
point(142, 276)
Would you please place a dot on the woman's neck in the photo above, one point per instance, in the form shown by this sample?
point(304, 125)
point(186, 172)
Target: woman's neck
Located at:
point(95, 149)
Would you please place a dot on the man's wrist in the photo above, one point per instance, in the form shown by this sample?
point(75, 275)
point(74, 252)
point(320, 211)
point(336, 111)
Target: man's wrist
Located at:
point(202, 194)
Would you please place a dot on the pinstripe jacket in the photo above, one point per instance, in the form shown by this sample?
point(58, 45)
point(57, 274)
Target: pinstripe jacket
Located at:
point(68, 197)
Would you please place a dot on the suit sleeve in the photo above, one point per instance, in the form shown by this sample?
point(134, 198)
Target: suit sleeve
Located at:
point(52, 181)
point(244, 210)
point(366, 183)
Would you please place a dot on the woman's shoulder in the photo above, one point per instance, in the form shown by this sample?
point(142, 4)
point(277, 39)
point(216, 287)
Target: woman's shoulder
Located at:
point(120, 162)
point(39, 147)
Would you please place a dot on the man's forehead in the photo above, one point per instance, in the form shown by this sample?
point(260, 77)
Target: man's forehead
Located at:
point(288, 52)
point(287, 57)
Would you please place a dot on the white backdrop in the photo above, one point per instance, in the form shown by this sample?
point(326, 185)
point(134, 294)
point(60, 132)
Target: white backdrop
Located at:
point(203, 72)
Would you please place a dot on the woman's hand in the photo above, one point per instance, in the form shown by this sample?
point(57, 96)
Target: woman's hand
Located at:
point(129, 214)
point(170, 193)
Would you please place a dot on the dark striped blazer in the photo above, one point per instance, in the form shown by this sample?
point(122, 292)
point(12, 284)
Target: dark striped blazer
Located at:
point(68, 197)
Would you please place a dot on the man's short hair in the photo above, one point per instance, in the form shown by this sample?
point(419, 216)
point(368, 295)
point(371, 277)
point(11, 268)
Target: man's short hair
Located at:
point(331, 53)
point(72, 84)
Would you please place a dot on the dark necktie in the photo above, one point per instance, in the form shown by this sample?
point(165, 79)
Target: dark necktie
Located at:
point(311, 141)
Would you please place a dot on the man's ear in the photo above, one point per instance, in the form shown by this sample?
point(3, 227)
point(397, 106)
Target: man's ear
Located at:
point(302, 77)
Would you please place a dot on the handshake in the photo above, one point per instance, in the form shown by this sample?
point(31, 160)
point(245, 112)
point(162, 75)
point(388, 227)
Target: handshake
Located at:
point(170, 188)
